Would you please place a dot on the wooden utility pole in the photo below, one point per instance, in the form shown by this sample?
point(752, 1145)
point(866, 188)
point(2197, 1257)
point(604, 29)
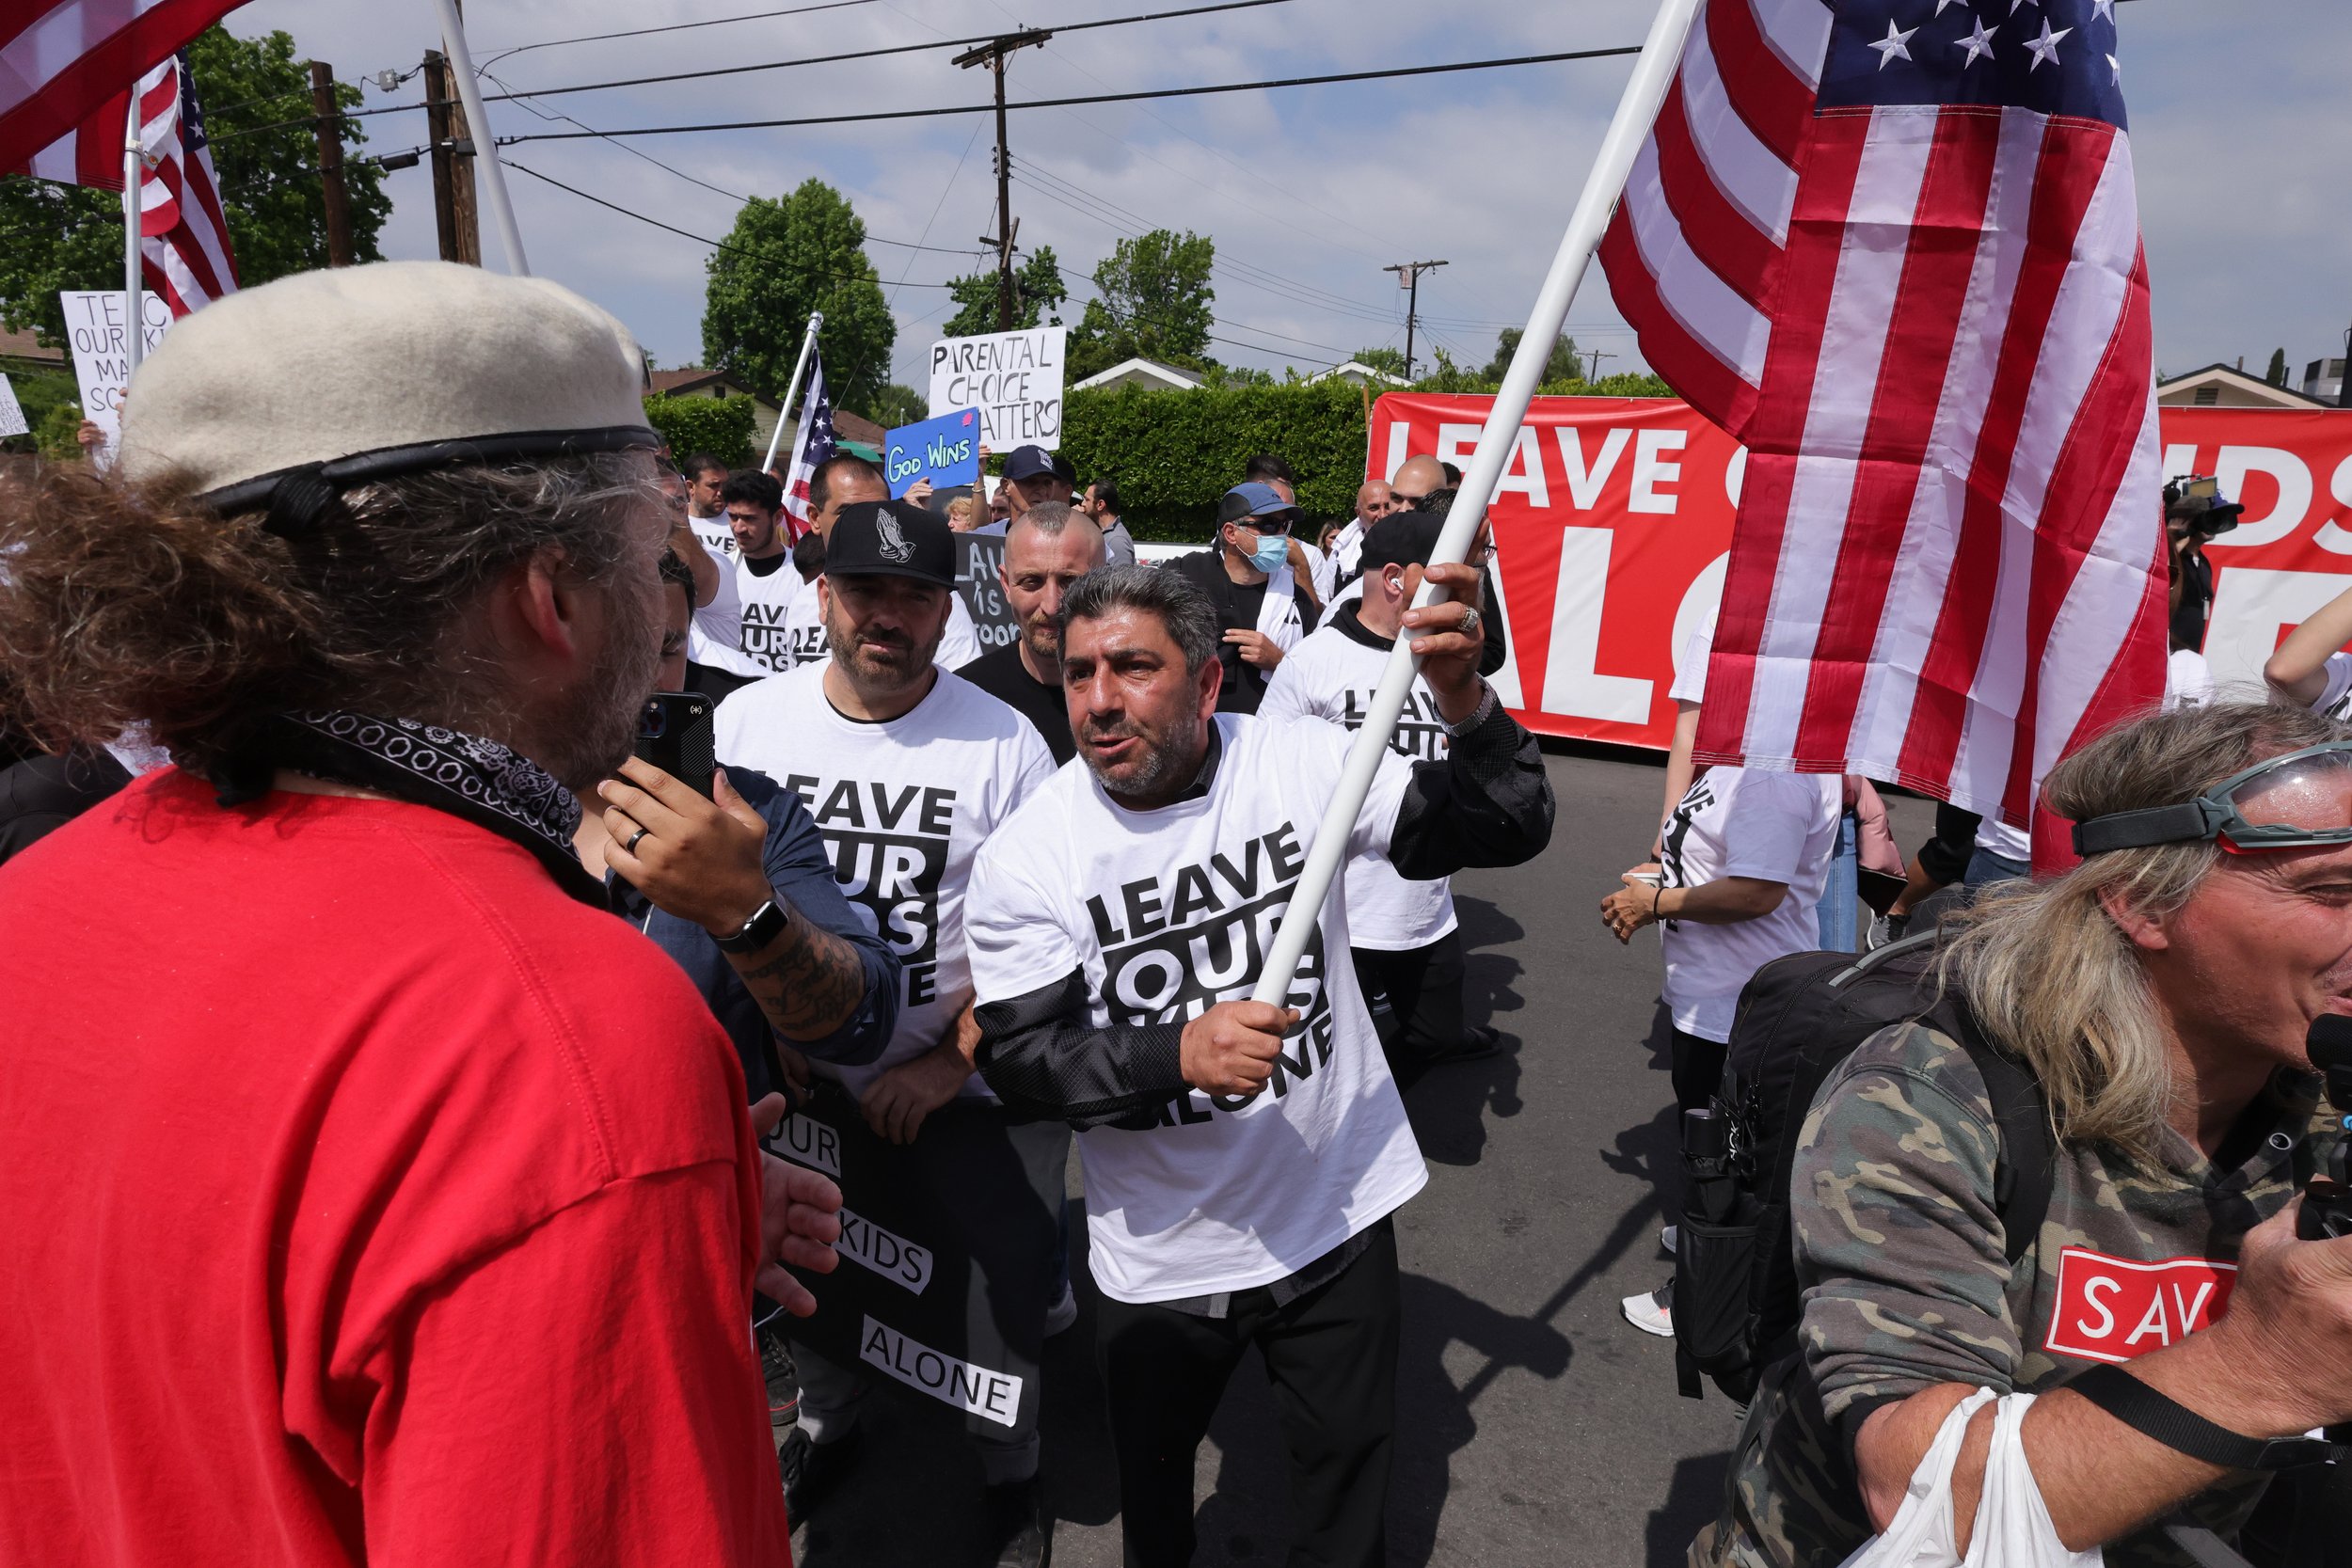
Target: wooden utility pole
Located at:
point(992, 54)
point(1408, 277)
point(453, 212)
point(331, 130)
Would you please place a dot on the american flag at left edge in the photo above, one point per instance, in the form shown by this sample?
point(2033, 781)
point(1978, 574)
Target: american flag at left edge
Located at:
point(1893, 247)
point(185, 250)
point(62, 60)
point(813, 444)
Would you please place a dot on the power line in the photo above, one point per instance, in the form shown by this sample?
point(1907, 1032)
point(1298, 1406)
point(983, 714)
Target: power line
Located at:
point(1392, 75)
point(674, 27)
point(693, 180)
point(703, 239)
point(901, 49)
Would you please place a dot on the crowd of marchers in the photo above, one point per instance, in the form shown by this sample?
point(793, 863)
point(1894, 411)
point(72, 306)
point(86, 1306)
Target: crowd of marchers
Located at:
point(514, 912)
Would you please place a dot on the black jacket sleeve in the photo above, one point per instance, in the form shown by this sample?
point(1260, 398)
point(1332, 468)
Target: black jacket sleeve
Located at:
point(1043, 1059)
point(1492, 657)
point(1487, 803)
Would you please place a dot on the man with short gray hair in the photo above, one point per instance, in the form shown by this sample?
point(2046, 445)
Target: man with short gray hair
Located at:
point(1242, 1158)
point(1047, 549)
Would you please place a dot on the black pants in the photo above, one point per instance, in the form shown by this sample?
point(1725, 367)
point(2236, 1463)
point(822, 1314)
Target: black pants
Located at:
point(1699, 1071)
point(1332, 1356)
point(1423, 988)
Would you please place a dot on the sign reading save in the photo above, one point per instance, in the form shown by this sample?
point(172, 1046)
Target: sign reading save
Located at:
point(946, 451)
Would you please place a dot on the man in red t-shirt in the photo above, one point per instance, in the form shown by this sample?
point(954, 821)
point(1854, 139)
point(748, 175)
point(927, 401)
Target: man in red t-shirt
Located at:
point(373, 1193)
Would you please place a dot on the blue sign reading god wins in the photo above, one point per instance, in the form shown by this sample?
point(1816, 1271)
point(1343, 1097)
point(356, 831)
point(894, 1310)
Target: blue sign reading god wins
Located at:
point(946, 451)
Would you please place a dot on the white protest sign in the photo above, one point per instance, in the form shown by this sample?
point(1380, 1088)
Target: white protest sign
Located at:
point(101, 356)
point(1013, 378)
point(11, 412)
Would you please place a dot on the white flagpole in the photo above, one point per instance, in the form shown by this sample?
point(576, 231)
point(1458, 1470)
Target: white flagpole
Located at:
point(133, 283)
point(799, 368)
point(485, 151)
point(1653, 73)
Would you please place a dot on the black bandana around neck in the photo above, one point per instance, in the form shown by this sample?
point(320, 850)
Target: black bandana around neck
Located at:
point(481, 781)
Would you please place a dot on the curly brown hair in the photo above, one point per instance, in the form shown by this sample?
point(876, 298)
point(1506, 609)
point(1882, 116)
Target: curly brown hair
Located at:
point(138, 605)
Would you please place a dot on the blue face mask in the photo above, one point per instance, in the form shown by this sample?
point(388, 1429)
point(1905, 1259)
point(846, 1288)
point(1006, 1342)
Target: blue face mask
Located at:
point(1272, 552)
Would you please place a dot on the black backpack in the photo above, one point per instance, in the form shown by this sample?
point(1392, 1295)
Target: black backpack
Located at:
point(1735, 1295)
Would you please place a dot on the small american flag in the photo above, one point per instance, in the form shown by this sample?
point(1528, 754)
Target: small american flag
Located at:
point(184, 235)
point(812, 444)
point(1893, 246)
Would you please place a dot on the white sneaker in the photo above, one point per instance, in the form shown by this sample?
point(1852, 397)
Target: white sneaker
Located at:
point(1649, 1313)
point(1063, 1314)
point(1668, 1235)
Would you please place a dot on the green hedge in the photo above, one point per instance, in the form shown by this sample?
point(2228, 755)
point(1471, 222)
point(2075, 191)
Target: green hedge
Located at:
point(721, 426)
point(47, 398)
point(1174, 454)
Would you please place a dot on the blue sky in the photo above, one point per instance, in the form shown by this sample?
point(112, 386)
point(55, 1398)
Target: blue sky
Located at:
point(2241, 131)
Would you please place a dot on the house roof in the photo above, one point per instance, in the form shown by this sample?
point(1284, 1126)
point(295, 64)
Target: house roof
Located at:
point(1142, 371)
point(1357, 371)
point(855, 427)
point(2219, 385)
point(691, 378)
point(24, 345)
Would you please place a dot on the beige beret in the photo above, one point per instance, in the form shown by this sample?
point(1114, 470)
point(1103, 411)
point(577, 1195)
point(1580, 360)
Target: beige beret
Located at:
point(325, 365)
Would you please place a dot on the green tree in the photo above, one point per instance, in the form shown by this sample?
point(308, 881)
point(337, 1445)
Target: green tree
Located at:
point(1565, 364)
point(1154, 304)
point(55, 237)
point(2276, 374)
point(1038, 295)
point(720, 426)
point(892, 405)
point(1389, 359)
point(784, 260)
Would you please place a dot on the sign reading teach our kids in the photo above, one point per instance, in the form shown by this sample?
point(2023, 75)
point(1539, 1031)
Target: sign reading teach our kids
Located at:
point(101, 355)
point(1013, 378)
point(946, 451)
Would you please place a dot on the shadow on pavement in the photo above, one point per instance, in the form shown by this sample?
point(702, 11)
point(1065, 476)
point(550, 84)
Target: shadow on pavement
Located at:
point(1448, 1105)
point(1696, 1498)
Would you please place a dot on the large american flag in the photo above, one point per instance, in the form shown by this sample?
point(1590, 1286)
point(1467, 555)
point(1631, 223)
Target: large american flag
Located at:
point(185, 250)
point(1893, 246)
point(61, 59)
point(813, 445)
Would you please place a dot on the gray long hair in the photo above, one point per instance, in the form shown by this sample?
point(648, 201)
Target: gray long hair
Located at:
point(2045, 965)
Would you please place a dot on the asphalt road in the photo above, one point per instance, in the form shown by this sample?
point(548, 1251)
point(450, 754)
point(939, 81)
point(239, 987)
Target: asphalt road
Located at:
point(1534, 1426)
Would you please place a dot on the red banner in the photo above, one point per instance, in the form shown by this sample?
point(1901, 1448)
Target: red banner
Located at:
point(1615, 515)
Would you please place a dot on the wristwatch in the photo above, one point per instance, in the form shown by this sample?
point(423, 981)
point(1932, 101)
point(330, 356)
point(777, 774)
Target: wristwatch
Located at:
point(765, 925)
point(1479, 715)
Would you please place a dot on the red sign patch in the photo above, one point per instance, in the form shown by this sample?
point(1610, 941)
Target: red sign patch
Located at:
point(2114, 1309)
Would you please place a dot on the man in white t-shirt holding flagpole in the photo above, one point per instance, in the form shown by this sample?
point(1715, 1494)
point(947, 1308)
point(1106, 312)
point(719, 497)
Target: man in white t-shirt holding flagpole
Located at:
point(1407, 942)
point(908, 769)
point(1242, 1160)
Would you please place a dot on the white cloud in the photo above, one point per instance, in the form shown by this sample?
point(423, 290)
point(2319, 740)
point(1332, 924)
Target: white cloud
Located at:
point(1308, 192)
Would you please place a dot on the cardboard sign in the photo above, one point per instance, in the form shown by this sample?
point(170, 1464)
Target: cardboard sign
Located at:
point(101, 355)
point(946, 451)
point(1612, 526)
point(11, 412)
point(977, 557)
point(1013, 378)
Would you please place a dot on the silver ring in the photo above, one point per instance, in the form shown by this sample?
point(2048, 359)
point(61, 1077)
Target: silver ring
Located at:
point(632, 844)
point(1470, 622)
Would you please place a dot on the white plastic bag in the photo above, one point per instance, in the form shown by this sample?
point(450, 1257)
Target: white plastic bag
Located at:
point(2012, 1527)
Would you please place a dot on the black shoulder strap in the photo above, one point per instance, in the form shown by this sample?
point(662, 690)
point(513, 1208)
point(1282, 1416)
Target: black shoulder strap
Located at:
point(2027, 1169)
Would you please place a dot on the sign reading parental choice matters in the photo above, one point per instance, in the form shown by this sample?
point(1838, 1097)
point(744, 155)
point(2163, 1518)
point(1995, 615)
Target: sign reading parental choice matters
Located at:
point(1013, 378)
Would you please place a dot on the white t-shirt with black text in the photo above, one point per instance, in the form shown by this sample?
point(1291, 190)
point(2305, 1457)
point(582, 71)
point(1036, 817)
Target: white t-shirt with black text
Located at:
point(903, 805)
point(767, 602)
point(714, 637)
point(804, 634)
point(1333, 674)
point(1744, 822)
point(1169, 912)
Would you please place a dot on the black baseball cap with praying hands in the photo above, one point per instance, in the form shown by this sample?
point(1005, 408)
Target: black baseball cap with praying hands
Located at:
point(892, 539)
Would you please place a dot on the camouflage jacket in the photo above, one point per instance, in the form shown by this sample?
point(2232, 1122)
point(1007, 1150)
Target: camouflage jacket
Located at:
point(1901, 1256)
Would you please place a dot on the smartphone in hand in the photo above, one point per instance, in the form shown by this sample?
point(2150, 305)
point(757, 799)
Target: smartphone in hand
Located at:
point(674, 733)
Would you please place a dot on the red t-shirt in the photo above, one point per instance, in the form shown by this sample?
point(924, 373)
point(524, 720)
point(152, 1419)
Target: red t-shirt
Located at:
point(367, 1198)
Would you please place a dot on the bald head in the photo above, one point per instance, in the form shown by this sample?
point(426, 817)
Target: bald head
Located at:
point(1374, 502)
point(1414, 481)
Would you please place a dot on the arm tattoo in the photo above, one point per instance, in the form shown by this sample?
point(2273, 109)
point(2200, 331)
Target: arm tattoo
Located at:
point(807, 981)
